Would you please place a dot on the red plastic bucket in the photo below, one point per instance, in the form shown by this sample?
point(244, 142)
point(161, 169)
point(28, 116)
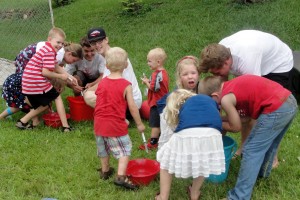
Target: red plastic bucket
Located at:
point(142, 171)
point(52, 119)
point(79, 110)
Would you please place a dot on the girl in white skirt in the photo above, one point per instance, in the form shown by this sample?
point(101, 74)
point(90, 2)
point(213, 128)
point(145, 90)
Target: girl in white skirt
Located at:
point(196, 148)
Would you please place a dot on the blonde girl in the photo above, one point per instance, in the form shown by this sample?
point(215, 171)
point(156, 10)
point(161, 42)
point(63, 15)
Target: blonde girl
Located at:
point(187, 77)
point(196, 148)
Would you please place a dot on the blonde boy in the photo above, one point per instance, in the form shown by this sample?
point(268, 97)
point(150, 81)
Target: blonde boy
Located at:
point(158, 86)
point(114, 94)
point(36, 78)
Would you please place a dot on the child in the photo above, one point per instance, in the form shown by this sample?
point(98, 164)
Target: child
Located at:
point(36, 85)
point(114, 94)
point(196, 147)
point(158, 86)
point(272, 106)
point(187, 77)
point(12, 88)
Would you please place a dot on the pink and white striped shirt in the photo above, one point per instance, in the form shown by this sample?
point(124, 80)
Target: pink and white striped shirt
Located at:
point(33, 82)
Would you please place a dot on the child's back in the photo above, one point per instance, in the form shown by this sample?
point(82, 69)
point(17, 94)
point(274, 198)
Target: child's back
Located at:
point(111, 107)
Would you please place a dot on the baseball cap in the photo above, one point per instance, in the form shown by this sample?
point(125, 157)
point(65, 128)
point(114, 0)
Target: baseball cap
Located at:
point(96, 34)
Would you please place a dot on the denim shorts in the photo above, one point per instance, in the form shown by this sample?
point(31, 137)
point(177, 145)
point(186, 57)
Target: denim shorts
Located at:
point(118, 146)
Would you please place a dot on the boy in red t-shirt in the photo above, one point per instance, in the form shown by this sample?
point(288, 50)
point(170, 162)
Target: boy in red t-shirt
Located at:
point(158, 86)
point(114, 94)
point(270, 104)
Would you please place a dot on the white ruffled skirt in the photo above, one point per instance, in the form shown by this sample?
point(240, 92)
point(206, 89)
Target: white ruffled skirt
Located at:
point(193, 152)
point(165, 131)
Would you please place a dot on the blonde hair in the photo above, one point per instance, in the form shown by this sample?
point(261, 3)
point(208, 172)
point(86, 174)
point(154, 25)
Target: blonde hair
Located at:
point(116, 58)
point(187, 60)
point(74, 49)
point(159, 54)
point(56, 31)
point(174, 102)
point(210, 84)
point(213, 56)
point(58, 84)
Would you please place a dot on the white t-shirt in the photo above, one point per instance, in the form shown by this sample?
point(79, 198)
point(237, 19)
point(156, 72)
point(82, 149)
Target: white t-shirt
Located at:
point(258, 53)
point(129, 75)
point(92, 69)
point(59, 56)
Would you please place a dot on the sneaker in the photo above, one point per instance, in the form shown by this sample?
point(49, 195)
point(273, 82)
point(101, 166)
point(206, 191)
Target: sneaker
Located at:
point(125, 182)
point(149, 145)
point(106, 175)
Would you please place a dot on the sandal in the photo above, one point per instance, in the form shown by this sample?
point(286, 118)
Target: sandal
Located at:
point(124, 181)
point(30, 126)
point(106, 175)
point(22, 125)
point(66, 129)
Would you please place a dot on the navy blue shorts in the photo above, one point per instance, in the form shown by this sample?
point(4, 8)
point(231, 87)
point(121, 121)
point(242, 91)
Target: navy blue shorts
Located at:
point(45, 99)
point(154, 119)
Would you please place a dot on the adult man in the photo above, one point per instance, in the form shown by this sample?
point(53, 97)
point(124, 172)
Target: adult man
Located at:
point(97, 38)
point(87, 71)
point(250, 52)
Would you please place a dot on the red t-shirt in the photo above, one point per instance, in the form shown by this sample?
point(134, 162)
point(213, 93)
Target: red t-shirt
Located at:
point(110, 109)
point(159, 86)
point(255, 95)
point(33, 82)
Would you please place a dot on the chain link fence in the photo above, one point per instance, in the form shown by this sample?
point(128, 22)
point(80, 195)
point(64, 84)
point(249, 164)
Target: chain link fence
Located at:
point(22, 22)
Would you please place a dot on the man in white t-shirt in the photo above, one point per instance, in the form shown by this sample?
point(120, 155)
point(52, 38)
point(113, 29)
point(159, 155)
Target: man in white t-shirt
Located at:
point(87, 71)
point(97, 38)
point(249, 52)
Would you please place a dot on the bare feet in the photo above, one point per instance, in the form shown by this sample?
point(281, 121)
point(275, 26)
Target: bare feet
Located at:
point(275, 162)
point(237, 154)
point(35, 121)
point(193, 195)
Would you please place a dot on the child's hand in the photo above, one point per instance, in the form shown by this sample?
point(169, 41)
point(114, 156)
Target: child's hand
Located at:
point(144, 79)
point(141, 127)
point(65, 77)
point(88, 85)
point(77, 88)
point(72, 80)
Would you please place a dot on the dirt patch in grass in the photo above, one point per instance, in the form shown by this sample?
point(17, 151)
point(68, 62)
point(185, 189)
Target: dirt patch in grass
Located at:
point(7, 68)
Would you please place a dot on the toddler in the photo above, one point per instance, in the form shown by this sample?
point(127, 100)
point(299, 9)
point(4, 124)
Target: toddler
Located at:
point(114, 94)
point(158, 86)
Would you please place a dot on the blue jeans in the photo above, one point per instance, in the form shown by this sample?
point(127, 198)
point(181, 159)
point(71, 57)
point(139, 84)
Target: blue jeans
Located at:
point(260, 148)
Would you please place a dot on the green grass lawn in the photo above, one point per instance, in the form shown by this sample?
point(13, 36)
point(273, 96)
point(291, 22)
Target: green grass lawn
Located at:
point(47, 163)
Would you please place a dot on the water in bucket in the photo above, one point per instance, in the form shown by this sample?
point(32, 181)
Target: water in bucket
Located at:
point(230, 147)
